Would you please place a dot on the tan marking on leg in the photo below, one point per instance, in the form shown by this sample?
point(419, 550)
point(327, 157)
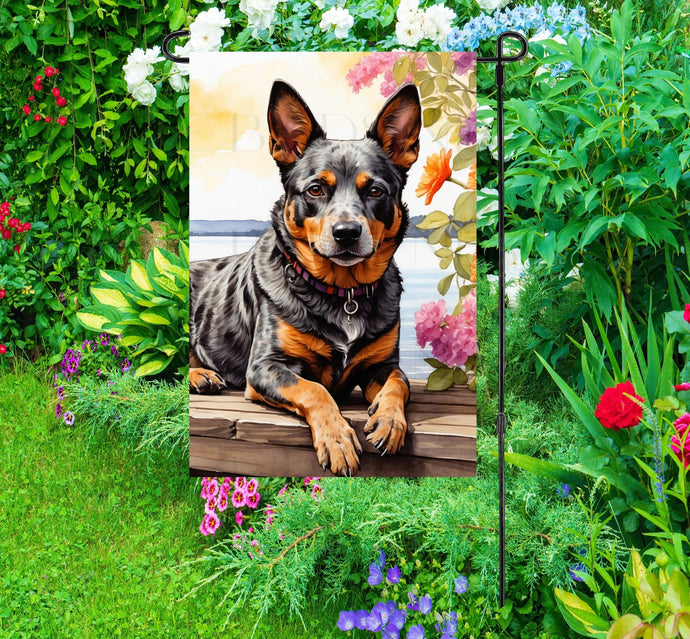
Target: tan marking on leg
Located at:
point(387, 425)
point(205, 381)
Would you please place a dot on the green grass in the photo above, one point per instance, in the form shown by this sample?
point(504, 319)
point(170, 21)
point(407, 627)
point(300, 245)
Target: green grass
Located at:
point(93, 538)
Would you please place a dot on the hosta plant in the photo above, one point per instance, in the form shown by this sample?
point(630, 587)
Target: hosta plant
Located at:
point(148, 307)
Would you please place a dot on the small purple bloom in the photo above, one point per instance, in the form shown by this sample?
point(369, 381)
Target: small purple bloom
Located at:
point(105, 339)
point(114, 351)
point(449, 627)
point(346, 620)
point(394, 575)
point(373, 622)
point(390, 633)
point(563, 491)
point(381, 561)
point(578, 567)
point(414, 602)
point(58, 409)
point(375, 574)
point(415, 632)
point(461, 584)
point(124, 367)
point(99, 372)
point(425, 604)
point(397, 619)
point(61, 393)
point(69, 418)
point(360, 619)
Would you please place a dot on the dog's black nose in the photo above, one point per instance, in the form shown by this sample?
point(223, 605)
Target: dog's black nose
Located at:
point(347, 233)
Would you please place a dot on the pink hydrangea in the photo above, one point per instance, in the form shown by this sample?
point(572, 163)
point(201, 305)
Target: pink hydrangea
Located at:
point(469, 302)
point(464, 61)
point(428, 320)
point(369, 68)
point(681, 450)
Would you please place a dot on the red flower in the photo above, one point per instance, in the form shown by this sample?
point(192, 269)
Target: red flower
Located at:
point(5, 207)
point(17, 248)
point(682, 387)
point(31, 98)
point(686, 313)
point(27, 226)
point(6, 234)
point(12, 222)
point(55, 71)
point(49, 71)
point(3, 293)
point(47, 118)
point(3, 349)
point(617, 411)
point(60, 101)
point(39, 78)
point(62, 120)
point(37, 86)
point(2, 218)
point(37, 118)
point(27, 109)
point(56, 92)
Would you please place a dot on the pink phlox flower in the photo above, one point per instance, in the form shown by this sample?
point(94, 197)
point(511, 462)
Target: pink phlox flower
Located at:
point(239, 517)
point(210, 524)
point(212, 487)
point(309, 480)
point(252, 486)
point(253, 500)
point(316, 490)
point(210, 505)
point(239, 498)
point(240, 482)
point(428, 320)
point(204, 488)
point(255, 544)
point(222, 503)
point(283, 490)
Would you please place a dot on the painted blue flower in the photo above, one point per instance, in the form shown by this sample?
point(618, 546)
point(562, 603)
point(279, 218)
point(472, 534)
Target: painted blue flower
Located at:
point(461, 584)
point(415, 632)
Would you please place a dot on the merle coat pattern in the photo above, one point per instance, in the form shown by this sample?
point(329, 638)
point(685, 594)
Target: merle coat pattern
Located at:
point(312, 310)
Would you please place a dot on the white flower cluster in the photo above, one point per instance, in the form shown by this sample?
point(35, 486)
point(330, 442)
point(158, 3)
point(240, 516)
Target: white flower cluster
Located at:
point(434, 23)
point(260, 13)
point(340, 19)
point(138, 68)
point(207, 31)
point(489, 6)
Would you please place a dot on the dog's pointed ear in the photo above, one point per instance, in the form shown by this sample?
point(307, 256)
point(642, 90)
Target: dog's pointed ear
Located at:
point(291, 124)
point(398, 125)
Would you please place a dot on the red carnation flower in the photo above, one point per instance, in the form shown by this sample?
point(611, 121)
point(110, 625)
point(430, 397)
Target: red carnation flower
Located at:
point(39, 78)
point(27, 109)
point(27, 226)
point(38, 86)
point(6, 234)
point(56, 92)
point(31, 98)
point(686, 313)
point(617, 411)
point(47, 118)
point(60, 101)
point(49, 71)
point(37, 118)
point(12, 222)
point(62, 120)
point(3, 349)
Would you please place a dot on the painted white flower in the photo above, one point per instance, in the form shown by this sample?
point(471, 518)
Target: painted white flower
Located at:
point(139, 65)
point(260, 13)
point(489, 6)
point(207, 30)
point(410, 28)
point(438, 21)
point(483, 137)
point(340, 19)
point(144, 93)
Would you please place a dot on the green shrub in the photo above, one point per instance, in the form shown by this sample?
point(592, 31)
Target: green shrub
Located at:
point(147, 308)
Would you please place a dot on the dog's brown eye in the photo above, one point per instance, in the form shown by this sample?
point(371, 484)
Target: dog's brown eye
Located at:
point(375, 191)
point(315, 190)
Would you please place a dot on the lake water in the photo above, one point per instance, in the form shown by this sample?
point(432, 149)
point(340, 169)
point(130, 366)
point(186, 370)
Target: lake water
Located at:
point(420, 271)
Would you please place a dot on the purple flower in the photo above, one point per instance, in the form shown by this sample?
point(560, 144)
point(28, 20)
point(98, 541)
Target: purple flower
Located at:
point(425, 604)
point(397, 619)
point(69, 418)
point(99, 372)
point(415, 632)
point(393, 575)
point(124, 367)
point(105, 339)
point(114, 351)
point(578, 567)
point(563, 491)
point(468, 132)
point(414, 602)
point(346, 620)
point(360, 619)
point(449, 627)
point(375, 574)
point(58, 410)
point(461, 584)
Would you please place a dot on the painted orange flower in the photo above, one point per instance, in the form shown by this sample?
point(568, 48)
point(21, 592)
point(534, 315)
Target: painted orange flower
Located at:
point(436, 172)
point(473, 270)
point(472, 178)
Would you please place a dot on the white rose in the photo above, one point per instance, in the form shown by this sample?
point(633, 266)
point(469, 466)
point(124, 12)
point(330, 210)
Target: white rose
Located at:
point(410, 30)
point(260, 13)
point(205, 37)
point(489, 6)
point(144, 93)
point(405, 7)
point(483, 137)
point(340, 19)
point(438, 21)
point(177, 80)
point(213, 17)
point(136, 74)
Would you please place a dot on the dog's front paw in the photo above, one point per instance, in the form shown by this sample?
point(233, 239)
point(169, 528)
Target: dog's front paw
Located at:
point(205, 381)
point(336, 444)
point(387, 425)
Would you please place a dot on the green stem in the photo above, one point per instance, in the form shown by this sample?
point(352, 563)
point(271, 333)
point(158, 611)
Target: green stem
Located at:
point(614, 271)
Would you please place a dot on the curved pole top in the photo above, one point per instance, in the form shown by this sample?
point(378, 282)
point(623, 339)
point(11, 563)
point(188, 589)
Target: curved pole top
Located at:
point(500, 58)
point(182, 33)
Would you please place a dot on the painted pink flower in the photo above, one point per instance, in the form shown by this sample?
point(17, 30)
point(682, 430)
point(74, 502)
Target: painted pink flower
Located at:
point(369, 68)
point(464, 61)
point(458, 340)
point(680, 443)
point(239, 517)
point(428, 320)
point(210, 505)
point(253, 500)
point(252, 486)
point(469, 302)
point(239, 498)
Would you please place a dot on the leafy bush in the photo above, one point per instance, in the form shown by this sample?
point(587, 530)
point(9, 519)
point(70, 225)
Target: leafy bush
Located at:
point(147, 308)
point(605, 142)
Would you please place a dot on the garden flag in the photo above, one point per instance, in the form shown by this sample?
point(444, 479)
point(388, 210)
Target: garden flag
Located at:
point(333, 264)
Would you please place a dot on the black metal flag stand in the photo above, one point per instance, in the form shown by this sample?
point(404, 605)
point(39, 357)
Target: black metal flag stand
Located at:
point(499, 60)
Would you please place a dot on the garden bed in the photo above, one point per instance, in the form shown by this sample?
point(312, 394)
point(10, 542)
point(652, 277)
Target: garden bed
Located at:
point(232, 436)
